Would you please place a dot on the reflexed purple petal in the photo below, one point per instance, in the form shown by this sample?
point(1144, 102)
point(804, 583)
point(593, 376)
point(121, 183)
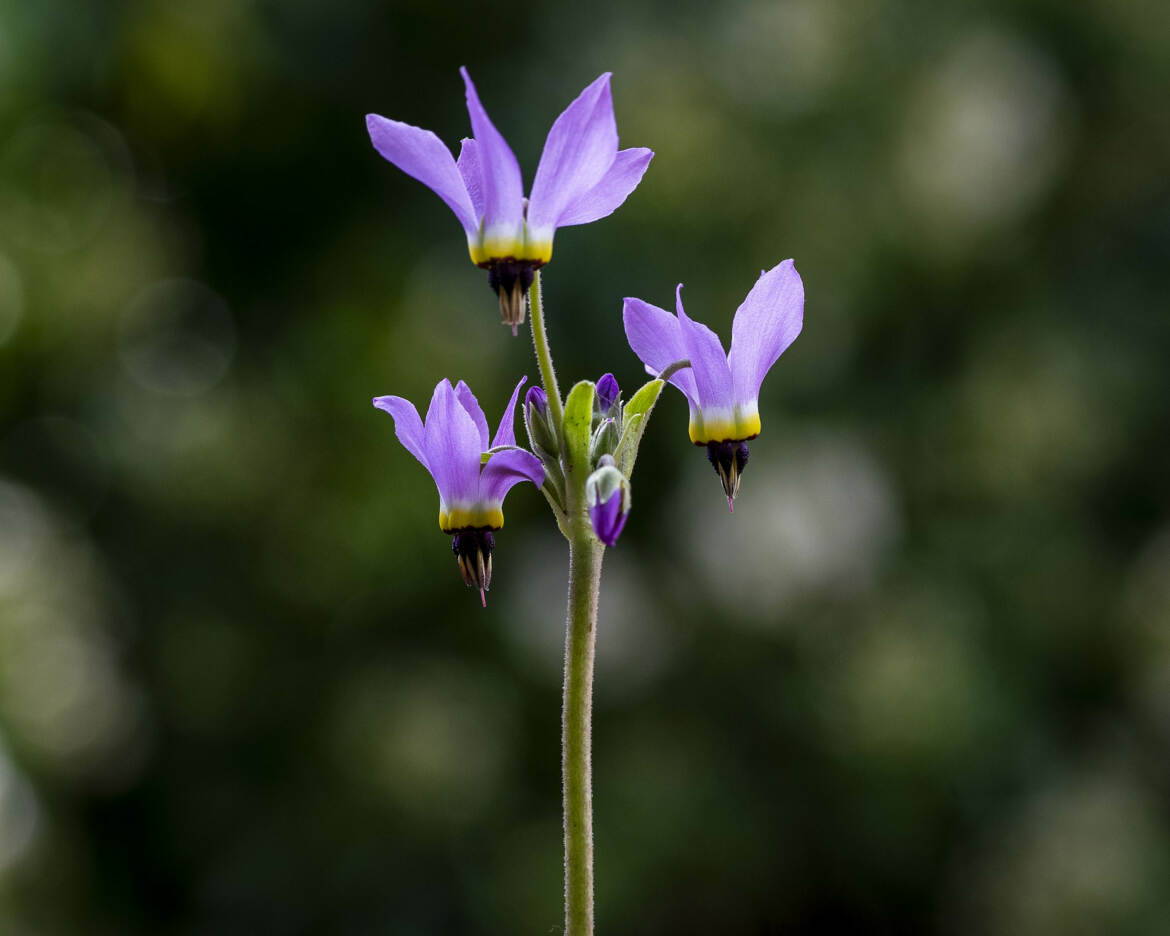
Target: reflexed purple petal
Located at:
point(506, 433)
point(766, 323)
point(503, 190)
point(607, 195)
point(452, 446)
point(407, 425)
point(472, 173)
point(656, 337)
point(607, 518)
point(504, 470)
point(608, 392)
point(423, 156)
point(536, 398)
point(578, 152)
point(708, 360)
point(468, 401)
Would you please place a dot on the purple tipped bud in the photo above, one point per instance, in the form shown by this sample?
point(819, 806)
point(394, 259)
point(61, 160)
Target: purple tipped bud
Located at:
point(536, 399)
point(541, 432)
point(608, 494)
point(608, 393)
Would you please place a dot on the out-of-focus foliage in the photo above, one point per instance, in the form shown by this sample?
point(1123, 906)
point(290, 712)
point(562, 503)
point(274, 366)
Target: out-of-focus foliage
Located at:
point(919, 683)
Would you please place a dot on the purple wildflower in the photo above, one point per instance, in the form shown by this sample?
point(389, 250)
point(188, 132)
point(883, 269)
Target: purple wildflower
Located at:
point(582, 176)
point(722, 389)
point(471, 494)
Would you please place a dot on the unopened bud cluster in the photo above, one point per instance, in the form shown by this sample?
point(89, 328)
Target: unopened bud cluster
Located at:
point(607, 490)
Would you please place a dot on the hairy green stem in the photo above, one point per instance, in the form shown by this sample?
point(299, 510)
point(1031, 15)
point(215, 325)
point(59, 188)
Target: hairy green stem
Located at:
point(548, 376)
point(585, 554)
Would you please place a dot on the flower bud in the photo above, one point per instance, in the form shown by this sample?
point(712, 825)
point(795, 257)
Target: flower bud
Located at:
point(608, 395)
point(604, 441)
point(541, 432)
point(607, 493)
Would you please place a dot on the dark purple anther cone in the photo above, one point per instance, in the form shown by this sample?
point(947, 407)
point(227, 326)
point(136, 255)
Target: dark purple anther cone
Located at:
point(729, 460)
point(511, 280)
point(608, 519)
point(608, 393)
point(473, 550)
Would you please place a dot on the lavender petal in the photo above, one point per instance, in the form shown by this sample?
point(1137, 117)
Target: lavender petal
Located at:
point(614, 188)
point(503, 190)
point(656, 337)
point(506, 433)
point(578, 152)
point(506, 469)
point(423, 156)
point(766, 323)
point(407, 425)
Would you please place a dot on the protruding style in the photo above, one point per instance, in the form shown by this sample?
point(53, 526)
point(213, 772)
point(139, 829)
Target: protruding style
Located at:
point(582, 177)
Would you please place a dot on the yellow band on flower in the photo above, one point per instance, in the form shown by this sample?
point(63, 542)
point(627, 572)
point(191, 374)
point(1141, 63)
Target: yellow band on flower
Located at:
point(470, 518)
point(488, 249)
point(737, 427)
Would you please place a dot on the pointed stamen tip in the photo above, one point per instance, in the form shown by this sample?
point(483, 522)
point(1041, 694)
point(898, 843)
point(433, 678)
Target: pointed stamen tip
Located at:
point(731, 505)
point(514, 331)
point(483, 597)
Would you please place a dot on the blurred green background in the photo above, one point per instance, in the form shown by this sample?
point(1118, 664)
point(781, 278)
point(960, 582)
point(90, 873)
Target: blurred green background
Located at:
point(919, 683)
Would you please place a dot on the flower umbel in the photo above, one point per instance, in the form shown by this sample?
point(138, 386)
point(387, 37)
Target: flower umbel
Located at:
point(722, 389)
point(450, 445)
point(582, 176)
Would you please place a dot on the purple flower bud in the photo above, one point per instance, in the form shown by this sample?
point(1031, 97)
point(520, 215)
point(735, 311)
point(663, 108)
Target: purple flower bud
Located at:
point(608, 393)
point(608, 519)
point(536, 399)
point(608, 494)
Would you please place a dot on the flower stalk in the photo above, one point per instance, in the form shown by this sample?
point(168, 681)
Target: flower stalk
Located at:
point(548, 374)
point(585, 555)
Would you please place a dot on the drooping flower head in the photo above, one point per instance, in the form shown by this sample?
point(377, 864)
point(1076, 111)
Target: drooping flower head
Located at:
point(450, 445)
point(722, 389)
point(582, 176)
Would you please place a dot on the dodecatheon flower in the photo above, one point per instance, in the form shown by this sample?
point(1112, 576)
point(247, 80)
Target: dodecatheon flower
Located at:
point(723, 390)
point(582, 176)
point(450, 445)
point(607, 493)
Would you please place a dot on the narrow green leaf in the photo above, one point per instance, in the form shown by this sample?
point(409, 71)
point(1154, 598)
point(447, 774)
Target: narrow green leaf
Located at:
point(634, 419)
point(578, 425)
